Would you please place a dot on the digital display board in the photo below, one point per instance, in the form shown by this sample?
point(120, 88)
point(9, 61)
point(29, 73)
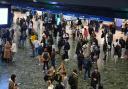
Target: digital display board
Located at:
point(4, 16)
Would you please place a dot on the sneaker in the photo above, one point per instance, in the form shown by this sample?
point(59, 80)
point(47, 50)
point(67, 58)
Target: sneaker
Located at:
point(122, 57)
point(66, 60)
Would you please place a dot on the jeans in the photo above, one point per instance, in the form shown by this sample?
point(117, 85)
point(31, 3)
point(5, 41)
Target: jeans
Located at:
point(94, 84)
point(53, 62)
point(66, 54)
point(33, 52)
point(36, 51)
point(87, 71)
point(80, 62)
point(45, 65)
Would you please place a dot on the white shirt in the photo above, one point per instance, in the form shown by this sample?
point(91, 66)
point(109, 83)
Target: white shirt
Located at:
point(14, 47)
point(115, 44)
point(51, 87)
point(30, 25)
point(36, 43)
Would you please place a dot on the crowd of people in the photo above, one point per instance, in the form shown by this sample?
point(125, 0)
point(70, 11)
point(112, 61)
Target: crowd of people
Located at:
point(45, 48)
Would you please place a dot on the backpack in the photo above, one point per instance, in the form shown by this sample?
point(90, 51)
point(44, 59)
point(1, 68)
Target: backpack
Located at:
point(95, 49)
point(45, 56)
point(67, 46)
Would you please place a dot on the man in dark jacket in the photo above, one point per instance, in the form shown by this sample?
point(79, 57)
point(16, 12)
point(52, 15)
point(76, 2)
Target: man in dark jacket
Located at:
point(66, 49)
point(80, 58)
point(79, 47)
point(73, 80)
point(95, 78)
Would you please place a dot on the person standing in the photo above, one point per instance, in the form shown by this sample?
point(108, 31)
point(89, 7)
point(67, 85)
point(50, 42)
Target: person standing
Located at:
point(95, 78)
point(122, 44)
point(85, 33)
point(7, 51)
point(1, 47)
point(65, 80)
point(73, 80)
point(126, 46)
point(105, 50)
point(46, 58)
point(12, 82)
point(87, 65)
point(13, 49)
point(66, 49)
point(109, 40)
point(36, 44)
point(53, 54)
point(80, 59)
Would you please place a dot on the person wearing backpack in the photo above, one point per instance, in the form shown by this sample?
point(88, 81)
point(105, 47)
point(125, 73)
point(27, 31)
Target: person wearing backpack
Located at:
point(95, 52)
point(46, 58)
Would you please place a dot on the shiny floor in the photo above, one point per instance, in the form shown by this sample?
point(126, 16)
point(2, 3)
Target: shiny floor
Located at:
point(30, 74)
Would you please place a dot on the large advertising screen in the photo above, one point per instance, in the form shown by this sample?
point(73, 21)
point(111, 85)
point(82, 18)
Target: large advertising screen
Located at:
point(4, 16)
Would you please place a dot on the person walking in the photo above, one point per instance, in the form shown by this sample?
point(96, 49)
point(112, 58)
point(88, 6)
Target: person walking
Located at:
point(66, 49)
point(80, 59)
point(105, 50)
point(87, 65)
point(53, 55)
point(122, 44)
point(95, 78)
point(46, 57)
point(12, 82)
point(65, 80)
point(13, 50)
point(7, 51)
point(85, 33)
point(50, 85)
point(73, 80)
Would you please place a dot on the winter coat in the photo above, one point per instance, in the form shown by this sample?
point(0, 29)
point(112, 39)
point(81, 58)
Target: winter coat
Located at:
point(7, 51)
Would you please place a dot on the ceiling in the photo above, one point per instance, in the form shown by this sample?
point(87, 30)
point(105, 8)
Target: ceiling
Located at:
point(99, 3)
point(108, 8)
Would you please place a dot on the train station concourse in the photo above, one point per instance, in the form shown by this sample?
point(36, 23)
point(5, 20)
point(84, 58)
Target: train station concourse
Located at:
point(63, 44)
